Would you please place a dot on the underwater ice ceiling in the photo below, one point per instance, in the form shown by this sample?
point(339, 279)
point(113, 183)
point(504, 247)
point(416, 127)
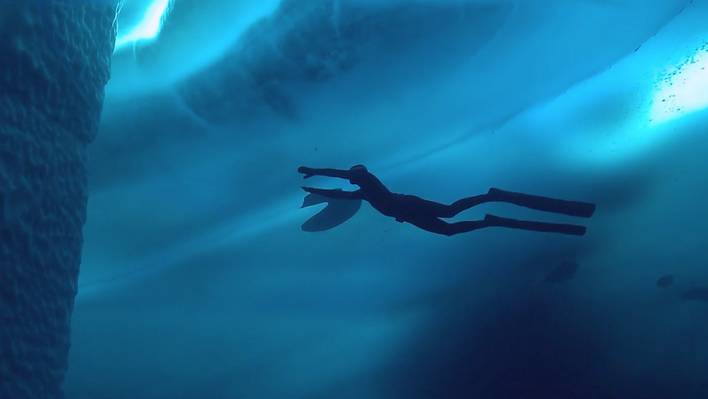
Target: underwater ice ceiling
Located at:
point(198, 38)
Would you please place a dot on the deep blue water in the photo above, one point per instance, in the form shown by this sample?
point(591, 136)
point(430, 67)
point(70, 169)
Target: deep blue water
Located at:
point(198, 280)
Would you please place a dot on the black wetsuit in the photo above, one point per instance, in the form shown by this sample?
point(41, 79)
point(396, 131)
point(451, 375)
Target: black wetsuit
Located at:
point(426, 214)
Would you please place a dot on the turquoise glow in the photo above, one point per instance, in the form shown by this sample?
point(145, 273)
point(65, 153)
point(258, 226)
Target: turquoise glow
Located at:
point(684, 90)
point(148, 27)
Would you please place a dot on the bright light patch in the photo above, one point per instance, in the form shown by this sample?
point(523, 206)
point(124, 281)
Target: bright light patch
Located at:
point(683, 90)
point(148, 27)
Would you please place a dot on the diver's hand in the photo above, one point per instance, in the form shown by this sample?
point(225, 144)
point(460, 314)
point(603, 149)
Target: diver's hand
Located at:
point(308, 172)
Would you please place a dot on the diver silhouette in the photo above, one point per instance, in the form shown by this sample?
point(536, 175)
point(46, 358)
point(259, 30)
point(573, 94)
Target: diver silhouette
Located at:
point(427, 214)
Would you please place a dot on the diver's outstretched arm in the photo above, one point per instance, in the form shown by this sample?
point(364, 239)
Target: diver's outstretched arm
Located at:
point(309, 172)
point(335, 194)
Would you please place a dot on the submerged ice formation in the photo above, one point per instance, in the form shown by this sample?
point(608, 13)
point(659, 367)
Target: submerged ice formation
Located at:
point(55, 63)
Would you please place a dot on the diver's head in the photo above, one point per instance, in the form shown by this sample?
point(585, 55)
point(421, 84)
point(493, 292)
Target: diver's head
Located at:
point(359, 168)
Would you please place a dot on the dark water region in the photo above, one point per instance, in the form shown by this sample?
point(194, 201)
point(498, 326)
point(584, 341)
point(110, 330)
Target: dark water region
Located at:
point(563, 272)
point(696, 294)
point(665, 281)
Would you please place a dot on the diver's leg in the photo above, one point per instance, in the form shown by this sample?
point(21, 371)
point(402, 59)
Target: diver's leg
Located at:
point(572, 208)
point(439, 210)
point(496, 221)
point(435, 225)
point(463, 204)
point(425, 209)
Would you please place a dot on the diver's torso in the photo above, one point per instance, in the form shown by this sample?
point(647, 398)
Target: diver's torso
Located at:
point(376, 193)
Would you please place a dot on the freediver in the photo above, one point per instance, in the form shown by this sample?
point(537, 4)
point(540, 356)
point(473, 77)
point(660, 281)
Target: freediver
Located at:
point(427, 214)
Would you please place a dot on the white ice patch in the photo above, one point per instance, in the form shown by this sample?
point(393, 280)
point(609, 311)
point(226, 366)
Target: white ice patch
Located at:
point(147, 27)
point(684, 89)
point(160, 42)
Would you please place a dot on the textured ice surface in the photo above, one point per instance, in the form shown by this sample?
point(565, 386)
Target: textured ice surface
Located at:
point(55, 62)
point(197, 272)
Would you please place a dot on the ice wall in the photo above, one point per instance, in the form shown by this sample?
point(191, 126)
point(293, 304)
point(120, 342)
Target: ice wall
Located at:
point(55, 62)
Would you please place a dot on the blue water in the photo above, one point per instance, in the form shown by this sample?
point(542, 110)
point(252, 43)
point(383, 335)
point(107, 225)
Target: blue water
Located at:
point(198, 281)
